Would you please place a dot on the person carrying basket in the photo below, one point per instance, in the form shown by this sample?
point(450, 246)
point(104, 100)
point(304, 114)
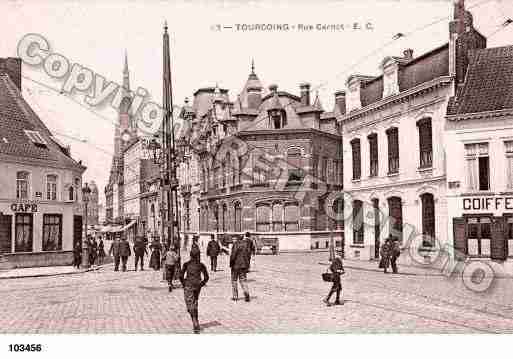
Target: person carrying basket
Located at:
point(337, 269)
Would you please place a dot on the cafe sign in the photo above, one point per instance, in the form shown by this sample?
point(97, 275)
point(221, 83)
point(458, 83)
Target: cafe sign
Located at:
point(24, 207)
point(487, 204)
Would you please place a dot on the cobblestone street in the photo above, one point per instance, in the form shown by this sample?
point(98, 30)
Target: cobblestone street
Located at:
point(286, 298)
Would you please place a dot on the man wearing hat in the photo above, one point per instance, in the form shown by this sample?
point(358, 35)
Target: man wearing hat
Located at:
point(239, 264)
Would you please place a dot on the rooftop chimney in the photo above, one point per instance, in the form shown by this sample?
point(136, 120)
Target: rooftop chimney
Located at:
point(340, 101)
point(12, 67)
point(305, 93)
point(408, 54)
point(273, 88)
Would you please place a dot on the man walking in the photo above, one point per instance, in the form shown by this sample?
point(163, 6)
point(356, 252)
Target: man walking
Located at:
point(115, 252)
point(395, 252)
point(213, 249)
point(139, 252)
point(385, 255)
point(124, 252)
point(250, 246)
point(239, 264)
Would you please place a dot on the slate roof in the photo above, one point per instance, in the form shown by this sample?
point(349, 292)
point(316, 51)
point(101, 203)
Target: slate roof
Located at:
point(16, 116)
point(489, 82)
point(416, 71)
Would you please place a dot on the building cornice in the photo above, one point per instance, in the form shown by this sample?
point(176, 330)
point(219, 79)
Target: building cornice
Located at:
point(396, 184)
point(400, 97)
point(480, 115)
point(288, 131)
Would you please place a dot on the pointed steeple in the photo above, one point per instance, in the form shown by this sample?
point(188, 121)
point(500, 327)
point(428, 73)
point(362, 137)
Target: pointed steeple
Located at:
point(317, 103)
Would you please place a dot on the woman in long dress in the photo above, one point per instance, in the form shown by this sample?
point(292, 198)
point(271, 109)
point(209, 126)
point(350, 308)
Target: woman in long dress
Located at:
point(155, 258)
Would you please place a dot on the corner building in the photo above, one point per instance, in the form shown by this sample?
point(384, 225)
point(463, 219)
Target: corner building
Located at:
point(395, 146)
point(266, 164)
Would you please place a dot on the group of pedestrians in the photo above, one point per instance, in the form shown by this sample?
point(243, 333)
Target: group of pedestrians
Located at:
point(96, 252)
point(389, 253)
point(120, 251)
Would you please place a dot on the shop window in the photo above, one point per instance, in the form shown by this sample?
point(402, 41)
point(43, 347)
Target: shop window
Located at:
point(358, 229)
point(22, 185)
point(51, 187)
point(277, 217)
point(238, 217)
point(295, 166)
point(263, 218)
point(52, 232)
point(396, 217)
point(479, 235)
point(428, 219)
point(425, 143)
point(291, 215)
point(373, 149)
point(357, 167)
point(23, 232)
point(393, 150)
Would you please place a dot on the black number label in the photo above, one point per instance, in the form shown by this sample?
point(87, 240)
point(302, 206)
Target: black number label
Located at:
point(25, 347)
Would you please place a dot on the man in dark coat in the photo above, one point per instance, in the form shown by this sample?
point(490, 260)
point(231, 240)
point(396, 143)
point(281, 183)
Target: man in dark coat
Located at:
point(213, 249)
point(251, 247)
point(139, 252)
point(193, 276)
point(395, 252)
point(337, 269)
point(239, 264)
point(77, 255)
point(385, 255)
point(195, 245)
point(124, 253)
point(114, 251)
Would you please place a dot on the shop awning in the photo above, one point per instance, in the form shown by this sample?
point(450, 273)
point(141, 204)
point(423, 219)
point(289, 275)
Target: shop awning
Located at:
point(127, 226)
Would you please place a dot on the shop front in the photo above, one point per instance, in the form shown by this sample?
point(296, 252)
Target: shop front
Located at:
point(483, 227)
point(38, 233)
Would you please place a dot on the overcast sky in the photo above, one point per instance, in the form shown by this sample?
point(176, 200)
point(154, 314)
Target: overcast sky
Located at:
point(96, 33)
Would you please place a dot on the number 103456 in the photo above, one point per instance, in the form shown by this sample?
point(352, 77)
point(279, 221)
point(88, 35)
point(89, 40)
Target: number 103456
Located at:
point(25, 347)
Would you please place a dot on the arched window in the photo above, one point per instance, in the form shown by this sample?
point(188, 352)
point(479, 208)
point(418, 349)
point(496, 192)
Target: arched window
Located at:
point(295, 165)
point(428, 219)
point(291, 214)
point(22, 185)
point(358, 229)
point(425, 142)
point(223, 174)
point(395, 209)
point(238, 217)
point(51, 187)
point(224, 222)
point(263, 217)
point(71, 193)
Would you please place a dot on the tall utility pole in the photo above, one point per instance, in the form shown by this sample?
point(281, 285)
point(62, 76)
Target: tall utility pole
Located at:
point(169, 183)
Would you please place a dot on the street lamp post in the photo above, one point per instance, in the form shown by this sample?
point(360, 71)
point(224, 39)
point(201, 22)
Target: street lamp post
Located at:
point(86, 191)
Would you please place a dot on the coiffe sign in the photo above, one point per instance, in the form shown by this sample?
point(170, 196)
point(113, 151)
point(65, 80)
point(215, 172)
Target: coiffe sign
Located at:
point(488, 203)
point(24, 207)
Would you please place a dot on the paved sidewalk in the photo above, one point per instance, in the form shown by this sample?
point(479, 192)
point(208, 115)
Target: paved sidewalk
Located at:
point(44, 271)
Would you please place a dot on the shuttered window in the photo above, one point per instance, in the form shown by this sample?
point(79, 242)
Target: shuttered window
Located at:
point(373, 151)
point(356, 154)
point(479, 235)
point(393, 150)
point(425, 143)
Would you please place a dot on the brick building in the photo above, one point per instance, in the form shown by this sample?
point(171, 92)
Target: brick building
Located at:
point(266, 163)
point(40, 186)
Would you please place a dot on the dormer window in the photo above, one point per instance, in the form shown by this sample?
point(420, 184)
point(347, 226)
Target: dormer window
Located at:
point(277, 119)
point(36, 138)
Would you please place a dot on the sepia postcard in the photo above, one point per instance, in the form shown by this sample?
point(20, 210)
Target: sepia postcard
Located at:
point(260, 167)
